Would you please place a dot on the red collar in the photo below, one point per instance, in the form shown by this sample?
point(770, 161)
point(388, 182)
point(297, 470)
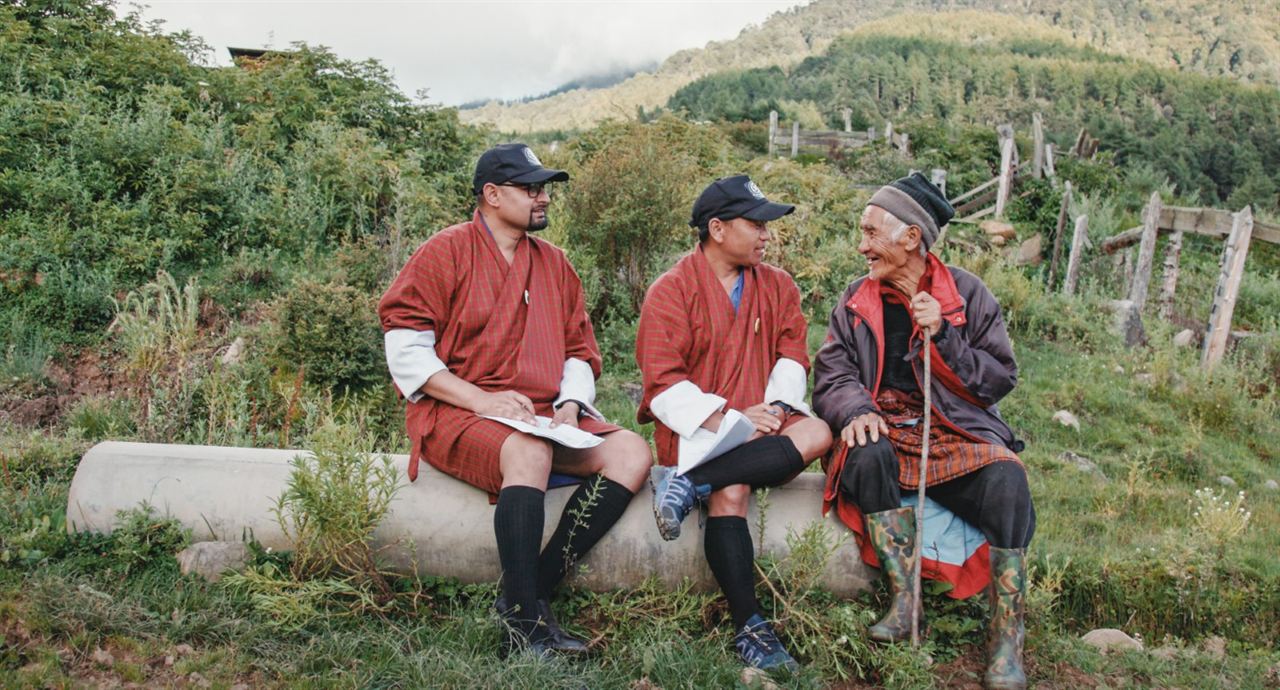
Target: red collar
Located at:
point(937, 281)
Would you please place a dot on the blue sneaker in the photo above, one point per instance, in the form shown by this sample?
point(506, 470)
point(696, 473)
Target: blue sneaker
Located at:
point(673, 499)
point(760, 647)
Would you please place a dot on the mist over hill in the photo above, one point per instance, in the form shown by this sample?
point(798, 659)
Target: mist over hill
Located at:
point(1233, 38)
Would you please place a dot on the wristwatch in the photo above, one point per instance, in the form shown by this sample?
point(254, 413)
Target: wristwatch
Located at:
point(582, 409)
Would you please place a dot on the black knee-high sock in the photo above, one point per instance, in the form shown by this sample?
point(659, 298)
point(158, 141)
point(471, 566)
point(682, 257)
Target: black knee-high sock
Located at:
point(731, 556)
point(517, 522)
point(766, 461)
point(592, 509)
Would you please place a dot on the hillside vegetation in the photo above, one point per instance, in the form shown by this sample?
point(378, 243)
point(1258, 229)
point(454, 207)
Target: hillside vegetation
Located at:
point(1236, 39)
point(193, 255)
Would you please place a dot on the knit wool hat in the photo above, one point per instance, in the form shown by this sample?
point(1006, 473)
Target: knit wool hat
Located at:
point(916, 201)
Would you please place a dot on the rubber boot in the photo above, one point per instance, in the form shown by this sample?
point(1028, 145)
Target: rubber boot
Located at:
point(1008, 597)
point(893, 536)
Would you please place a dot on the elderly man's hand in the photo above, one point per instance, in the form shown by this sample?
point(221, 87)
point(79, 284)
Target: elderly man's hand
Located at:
point(927, 312)
point(863, 428)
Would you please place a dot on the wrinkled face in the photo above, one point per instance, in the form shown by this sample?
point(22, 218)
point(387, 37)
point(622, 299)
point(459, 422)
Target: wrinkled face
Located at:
point(523, 206)
point(886, 256)
point(742, 241)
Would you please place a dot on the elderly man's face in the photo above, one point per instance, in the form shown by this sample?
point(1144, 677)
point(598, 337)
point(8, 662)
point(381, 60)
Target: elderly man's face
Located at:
point(886, 257)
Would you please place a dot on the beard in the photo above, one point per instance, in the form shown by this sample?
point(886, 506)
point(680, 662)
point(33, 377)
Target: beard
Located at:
point(536, 225)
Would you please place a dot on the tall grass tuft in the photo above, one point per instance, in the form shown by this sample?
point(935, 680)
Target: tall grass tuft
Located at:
point(157, 323)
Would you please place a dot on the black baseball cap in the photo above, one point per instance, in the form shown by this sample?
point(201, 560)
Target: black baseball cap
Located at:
point(735, 197)
point(512, 163)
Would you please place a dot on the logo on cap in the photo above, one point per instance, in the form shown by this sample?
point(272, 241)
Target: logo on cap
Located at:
point(533, 160)
point(753, 190)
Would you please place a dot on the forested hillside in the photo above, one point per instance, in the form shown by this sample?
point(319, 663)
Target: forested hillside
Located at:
point(1237, 39)
point(1214, 138)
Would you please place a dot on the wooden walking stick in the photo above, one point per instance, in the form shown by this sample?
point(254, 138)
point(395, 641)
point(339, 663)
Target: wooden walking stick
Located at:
point(918, 567)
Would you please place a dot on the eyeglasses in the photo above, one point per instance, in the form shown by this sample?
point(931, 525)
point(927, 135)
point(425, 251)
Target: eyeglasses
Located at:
point(534, 190)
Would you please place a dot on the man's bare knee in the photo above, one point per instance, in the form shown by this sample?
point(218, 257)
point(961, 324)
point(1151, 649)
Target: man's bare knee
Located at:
point(628, 459)
point(525, 460)
point(731, 500)
point(811, 436)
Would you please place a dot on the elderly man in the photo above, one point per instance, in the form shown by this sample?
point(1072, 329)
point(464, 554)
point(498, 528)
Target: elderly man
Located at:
point(722, 342)
point(486, 319)
point(868, 388)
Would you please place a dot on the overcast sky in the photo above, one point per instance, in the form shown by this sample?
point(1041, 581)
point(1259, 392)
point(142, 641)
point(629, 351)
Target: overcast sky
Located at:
point(464, 51)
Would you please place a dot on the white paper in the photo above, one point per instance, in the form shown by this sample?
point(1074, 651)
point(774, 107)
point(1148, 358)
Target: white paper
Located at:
point(704, 445)
point(565, 435)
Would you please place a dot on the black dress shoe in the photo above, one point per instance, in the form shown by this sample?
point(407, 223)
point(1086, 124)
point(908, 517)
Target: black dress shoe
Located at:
point(518, 638)
point(561, 641)
point(553, 638)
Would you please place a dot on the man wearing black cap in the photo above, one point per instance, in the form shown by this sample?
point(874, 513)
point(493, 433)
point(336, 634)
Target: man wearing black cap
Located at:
point(486, 319)
point(867, 386)
point(721, 346)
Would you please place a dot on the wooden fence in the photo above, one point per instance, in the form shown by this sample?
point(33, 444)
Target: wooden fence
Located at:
point(826, 141)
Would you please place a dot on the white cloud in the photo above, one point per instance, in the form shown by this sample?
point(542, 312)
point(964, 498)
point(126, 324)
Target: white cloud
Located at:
point(463, 51)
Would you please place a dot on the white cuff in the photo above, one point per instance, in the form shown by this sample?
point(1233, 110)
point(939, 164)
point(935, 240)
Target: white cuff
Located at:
point(578, 383)
point(683, 407)
point(788, 383)
point(412, 359)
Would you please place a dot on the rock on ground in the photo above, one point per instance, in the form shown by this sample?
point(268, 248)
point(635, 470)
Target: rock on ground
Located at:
point(210, 559)
point(1111, 640)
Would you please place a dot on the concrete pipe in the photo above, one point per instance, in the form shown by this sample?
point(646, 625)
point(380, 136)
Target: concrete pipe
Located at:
point(436, 525)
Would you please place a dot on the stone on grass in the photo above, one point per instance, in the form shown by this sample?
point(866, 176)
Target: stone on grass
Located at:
point(210, 559)
point(1111, 640)
point(1185, 338)
point(1081, 463)
point(1029, 251)
point(1227, 481)
point(1271, 485)
point(1165, 652)
point(753, 677)
point(234, 353)
point(998, 228)
point(1065, 418)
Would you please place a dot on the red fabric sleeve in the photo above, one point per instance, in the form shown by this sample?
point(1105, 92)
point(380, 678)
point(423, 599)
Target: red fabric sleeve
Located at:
point(662, 339)
point(579, 336)
point(421, 296)
point(793, 336)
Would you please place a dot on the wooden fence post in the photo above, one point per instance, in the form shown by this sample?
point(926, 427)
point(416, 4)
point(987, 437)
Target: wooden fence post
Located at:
point(904, 144)
point(1037, 155)
point(1048, 161)
point(847, 113)
point(795, 139)
point(1224, 298)
point(773, 130)
point(1056, 257)
point(1170, 275)
point(1076, 256)
point(888, 132)
point(871, 134)
point(1006, 176)
point(938, 177)
point(1146, 253)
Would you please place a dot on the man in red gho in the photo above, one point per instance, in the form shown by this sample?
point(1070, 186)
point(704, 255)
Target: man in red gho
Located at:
point(867, 386)
point(722, 337)
point(487, 319)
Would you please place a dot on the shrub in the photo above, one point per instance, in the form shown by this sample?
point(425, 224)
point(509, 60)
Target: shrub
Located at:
point(333, 501)
point(141, 538)
point(331, 333)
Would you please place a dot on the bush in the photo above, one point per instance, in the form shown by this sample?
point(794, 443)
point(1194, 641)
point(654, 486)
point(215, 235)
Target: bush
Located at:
point(333, 501)
point(157, 324)
point(331, 333)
